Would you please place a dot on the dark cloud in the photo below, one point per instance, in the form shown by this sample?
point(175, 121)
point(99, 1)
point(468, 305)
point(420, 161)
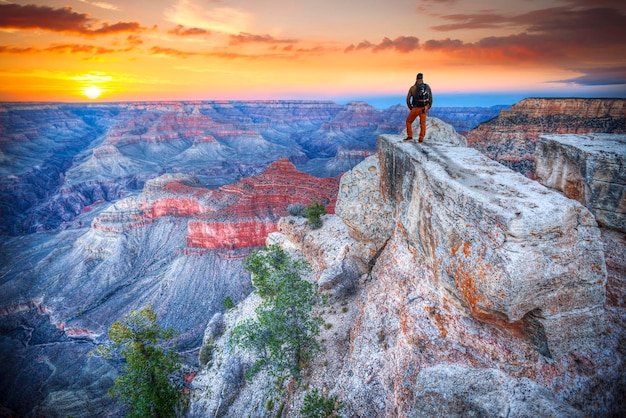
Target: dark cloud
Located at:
point(402, 44)
point(591, 25)
point(244, 38)
point(14, 16)
point(589, 34)
point(443, 44)
point(598, 77)
point(472, 21)
point(180, 30)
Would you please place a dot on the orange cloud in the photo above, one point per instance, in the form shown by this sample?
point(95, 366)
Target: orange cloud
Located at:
point(14, 16)
point(61, 49)
point(15, 50)
point(180, 30)
point(244, 38)
point(134, 40)
point(402, 44)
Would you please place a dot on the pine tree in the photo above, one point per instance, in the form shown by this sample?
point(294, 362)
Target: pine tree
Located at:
point(283, 335)
point(145, 384)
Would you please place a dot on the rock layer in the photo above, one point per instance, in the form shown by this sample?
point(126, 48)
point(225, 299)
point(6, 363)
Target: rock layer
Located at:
point(235, 216)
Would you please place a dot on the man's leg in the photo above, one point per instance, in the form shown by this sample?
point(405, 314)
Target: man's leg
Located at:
point(409, 121)
point(422, 114)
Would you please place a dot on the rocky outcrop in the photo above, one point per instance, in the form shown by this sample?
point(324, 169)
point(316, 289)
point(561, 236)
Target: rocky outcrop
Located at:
point(588, 168)
point(591, 169)
point(456, 287)
point(510, 138)
point(515, 253)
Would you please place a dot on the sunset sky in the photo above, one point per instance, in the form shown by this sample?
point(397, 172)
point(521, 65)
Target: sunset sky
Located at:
point(114, 50)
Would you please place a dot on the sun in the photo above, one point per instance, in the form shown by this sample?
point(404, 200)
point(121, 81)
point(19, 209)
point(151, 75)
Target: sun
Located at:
point(93, 92)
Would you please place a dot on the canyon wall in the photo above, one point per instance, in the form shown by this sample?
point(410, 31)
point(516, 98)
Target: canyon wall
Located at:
point(456, 287)
point(511, 137)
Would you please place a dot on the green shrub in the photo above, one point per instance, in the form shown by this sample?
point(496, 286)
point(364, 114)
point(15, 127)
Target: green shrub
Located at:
point(205, 356)
point(317, 405)
point(313, 213)
point(228, 303)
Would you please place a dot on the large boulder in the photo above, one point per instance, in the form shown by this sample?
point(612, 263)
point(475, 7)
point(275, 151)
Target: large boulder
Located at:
point(513, 252)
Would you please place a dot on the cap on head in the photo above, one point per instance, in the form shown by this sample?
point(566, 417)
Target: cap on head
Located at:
point(420, 76)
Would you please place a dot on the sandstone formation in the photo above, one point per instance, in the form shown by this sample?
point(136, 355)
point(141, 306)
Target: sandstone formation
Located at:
point(456, 287)
point(588, 168)
point(591, 169)
point(235, 216)
point(510, 138)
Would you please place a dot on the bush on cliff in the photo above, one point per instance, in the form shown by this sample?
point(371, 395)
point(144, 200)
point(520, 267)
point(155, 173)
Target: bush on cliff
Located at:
point(146, 383)
point(313, 213)
point(316, 405)
point(283, 335)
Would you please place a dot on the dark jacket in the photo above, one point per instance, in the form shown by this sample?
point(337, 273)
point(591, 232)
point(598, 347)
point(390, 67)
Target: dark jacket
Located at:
point(411, 94)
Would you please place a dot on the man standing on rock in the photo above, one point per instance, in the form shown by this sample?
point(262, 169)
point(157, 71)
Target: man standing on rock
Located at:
point(419, 100)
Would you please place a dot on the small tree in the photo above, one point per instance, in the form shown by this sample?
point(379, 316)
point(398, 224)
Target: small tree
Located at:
point(313, 212)
point(145, 384)
point(283, 335)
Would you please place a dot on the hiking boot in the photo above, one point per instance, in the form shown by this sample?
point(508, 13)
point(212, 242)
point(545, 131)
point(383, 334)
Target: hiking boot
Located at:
point(421, 140)
point(407, 139)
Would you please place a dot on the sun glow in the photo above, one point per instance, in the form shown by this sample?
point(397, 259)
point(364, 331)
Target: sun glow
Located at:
point(92, 92)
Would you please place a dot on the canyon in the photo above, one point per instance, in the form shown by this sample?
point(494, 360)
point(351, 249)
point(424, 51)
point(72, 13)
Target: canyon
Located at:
point(109, 207)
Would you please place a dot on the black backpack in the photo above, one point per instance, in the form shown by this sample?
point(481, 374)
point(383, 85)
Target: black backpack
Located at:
point(422, 95)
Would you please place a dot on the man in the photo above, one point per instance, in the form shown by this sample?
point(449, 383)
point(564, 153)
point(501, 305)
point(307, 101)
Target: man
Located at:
point(419, 100)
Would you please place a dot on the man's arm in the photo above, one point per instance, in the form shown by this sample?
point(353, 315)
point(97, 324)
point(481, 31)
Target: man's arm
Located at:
point(408, 99)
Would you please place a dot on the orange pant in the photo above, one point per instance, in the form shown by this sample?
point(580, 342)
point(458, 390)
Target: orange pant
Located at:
point(415, 112)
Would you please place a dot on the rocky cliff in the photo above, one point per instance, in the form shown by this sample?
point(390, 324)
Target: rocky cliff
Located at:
point(511, 137)
point(457, 287)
